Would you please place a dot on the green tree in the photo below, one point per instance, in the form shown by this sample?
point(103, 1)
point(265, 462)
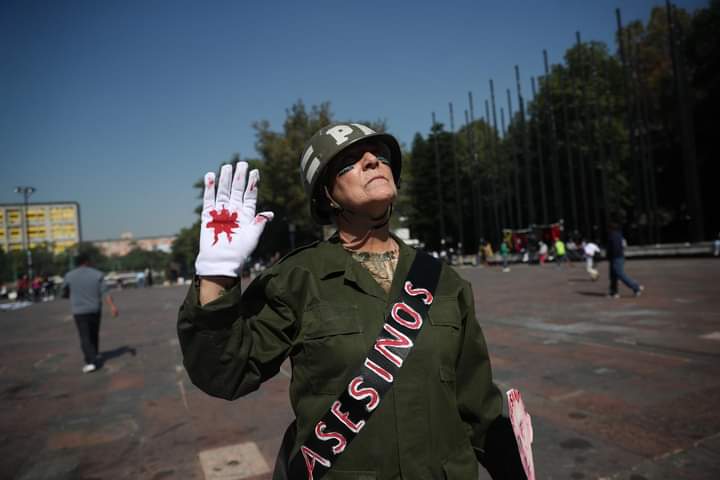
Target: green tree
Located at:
point(138, 259)
point(12, 264)
point(429, 208)
point(701, 50)
point(185, 248)
point(280, 188)
point(97, 258)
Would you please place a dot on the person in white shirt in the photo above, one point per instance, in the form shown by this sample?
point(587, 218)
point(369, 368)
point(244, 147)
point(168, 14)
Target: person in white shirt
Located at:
point(590, 250)
point(542, 252)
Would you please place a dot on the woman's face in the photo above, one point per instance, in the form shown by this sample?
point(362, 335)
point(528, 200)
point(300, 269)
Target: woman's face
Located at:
point(361, 179)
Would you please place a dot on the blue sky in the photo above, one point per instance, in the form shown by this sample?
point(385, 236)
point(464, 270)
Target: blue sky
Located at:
point(122, 105)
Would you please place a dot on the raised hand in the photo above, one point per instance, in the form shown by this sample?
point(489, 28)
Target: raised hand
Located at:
point(229, 229)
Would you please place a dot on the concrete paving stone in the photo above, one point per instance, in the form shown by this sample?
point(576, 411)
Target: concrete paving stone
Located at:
point(61, 466)
point(699, 461)
point(618, 389)
point(233, 462)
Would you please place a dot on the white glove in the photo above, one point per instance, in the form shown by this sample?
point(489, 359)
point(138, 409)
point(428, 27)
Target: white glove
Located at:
point(229, 228)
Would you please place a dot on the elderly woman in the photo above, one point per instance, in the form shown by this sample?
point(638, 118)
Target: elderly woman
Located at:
point(390, 372)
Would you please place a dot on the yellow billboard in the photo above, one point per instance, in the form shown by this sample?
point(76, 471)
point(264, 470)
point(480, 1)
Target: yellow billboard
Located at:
point(56, 225)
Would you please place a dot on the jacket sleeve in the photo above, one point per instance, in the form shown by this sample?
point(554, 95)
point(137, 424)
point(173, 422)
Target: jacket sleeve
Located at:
point(480, 401)
point(234, 343)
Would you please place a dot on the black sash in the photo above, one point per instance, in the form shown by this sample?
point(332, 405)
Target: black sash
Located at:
point(352, 410)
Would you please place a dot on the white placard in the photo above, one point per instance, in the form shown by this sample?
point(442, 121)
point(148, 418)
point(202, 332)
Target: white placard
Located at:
point(522, 427)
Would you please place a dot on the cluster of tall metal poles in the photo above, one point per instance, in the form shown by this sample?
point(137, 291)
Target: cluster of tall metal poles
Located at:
point(586, 211)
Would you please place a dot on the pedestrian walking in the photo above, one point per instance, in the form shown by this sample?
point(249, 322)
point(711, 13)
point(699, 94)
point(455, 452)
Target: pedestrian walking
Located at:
point(560, 257)
point(591, 249)
point(505, 253)
point(416, 402)
point(616, 257)
point(36, 288)
point(140, 279)
point(23, 288)
point(488, 253)
point(86, 288)
point(542, 252)
point(148, 277)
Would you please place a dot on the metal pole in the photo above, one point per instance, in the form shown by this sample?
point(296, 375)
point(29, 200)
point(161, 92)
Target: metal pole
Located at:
point(687, 130)
point(650, 167)
point(611, 146)
point(26, 192)
point(508, 189)
point(591, 145)
point(629, 105)
point(639, 134)
point(471, 149)
point(582, 159)
point(516, 170)
point(598, 144)
point(496, 159)
point(526, 151)
point(476, 166)
point(26, 196)
point(568, 154)
point(642, 138)
point(458, 199)
point(441, 216)
point(554, 163)
point(493, 178)
point(538, 142)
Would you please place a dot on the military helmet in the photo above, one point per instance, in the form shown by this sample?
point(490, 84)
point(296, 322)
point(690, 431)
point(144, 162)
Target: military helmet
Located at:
point(324, 146)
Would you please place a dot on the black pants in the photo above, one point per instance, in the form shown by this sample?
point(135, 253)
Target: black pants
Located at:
point(88, 326)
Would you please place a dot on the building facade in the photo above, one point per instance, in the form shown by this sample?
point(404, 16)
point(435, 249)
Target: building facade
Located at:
point(122, 246)
point(53, 224)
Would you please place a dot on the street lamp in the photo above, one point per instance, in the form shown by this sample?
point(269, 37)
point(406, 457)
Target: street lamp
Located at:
point(26, 192)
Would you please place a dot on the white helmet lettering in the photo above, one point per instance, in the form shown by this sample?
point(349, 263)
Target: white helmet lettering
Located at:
point(365, 130)
point(340, 133)
point(312, 169)
point(306, 156)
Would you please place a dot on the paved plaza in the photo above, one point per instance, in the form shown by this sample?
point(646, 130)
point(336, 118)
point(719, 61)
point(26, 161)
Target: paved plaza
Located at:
point(623, 388)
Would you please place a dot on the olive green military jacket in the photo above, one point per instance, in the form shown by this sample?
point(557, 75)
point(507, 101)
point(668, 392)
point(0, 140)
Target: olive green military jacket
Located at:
point(323, 309)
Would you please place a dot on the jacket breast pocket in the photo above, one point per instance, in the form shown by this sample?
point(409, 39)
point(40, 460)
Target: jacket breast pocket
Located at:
point(333, 345)
point(444, 331)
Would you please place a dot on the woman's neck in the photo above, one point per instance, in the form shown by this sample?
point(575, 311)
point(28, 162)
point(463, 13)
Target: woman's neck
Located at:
point(365, 238)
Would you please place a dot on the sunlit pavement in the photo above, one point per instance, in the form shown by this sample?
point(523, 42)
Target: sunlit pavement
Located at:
point(623, 388)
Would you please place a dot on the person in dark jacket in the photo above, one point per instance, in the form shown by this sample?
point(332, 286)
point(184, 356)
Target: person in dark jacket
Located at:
point(323, 306)
point(616, 258)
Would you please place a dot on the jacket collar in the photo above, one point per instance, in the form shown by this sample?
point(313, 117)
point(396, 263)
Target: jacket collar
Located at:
point(337, 260)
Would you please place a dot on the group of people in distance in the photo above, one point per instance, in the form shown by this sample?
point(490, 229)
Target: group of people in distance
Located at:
point(538, 251)
point(39, 288)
